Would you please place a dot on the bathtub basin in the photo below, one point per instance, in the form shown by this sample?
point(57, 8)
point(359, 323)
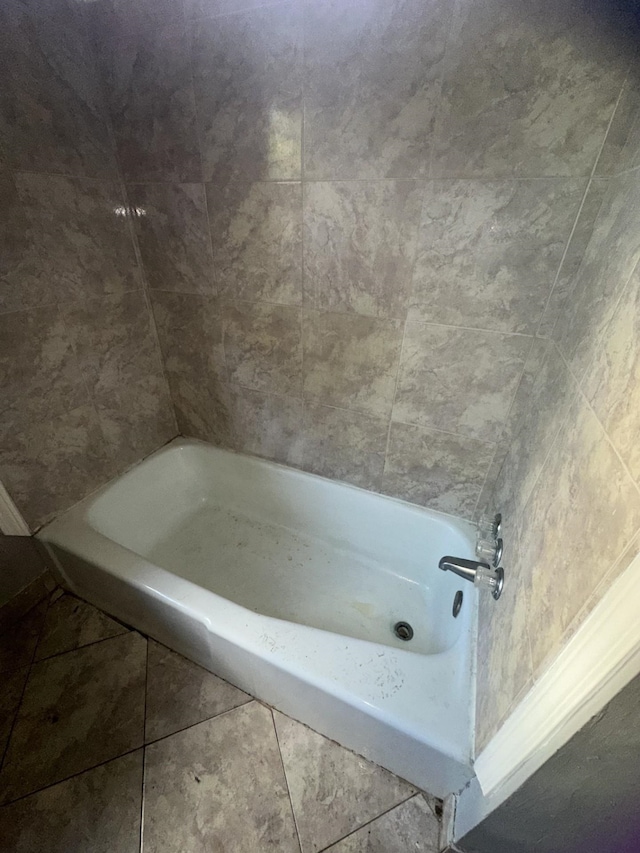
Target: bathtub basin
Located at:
point(289, 586)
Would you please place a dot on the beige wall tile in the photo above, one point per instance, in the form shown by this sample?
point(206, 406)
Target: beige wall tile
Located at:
point(173, 233)
point(436, 469)
point(344, 445)
point(582, 513)
point(544, 108)
point(458, 381)
point(360, 240)
point(488, 251)
point(256, 232)
point(365, 118)
point(263, 348)
point(351, 361)
point(247, 71)
point(612, 383)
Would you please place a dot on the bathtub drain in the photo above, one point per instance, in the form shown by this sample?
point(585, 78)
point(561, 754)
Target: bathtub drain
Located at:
point(403, 630)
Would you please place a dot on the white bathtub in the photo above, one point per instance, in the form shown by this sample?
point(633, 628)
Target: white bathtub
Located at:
point(289, 585)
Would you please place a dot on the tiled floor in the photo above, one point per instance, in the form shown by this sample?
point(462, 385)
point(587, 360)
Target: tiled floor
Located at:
point(114, 744)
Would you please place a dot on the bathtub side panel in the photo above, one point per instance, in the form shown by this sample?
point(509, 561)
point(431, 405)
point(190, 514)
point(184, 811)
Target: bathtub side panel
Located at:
point(376, 740)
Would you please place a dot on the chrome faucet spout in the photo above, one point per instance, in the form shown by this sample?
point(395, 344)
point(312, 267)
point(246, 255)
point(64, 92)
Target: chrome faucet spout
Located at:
point(480, 574)
point(466, 569)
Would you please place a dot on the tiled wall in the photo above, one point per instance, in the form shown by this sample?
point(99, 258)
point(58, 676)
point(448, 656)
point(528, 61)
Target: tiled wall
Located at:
point(383, 242)
point(569, 487)
point(352, 213)
point(82, 389)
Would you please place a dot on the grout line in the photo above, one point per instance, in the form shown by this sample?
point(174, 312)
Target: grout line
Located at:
point(286, 780)
point(596, 595)
point(504, 427)
point(71, 776)
point(418, 179)
point(86, 645)
point(26, 681)
point(553, 442)
point(562, 260)
point(133, 237)
point(195, 17)
point(404, 332)
point(589, 183)
point(144, 748)
point(393, 401)
point(369, 822)
point(599, 337)
point(251, 699)
point(599, 422)
point(484, 441)
point(438, 110)
point(485, 480)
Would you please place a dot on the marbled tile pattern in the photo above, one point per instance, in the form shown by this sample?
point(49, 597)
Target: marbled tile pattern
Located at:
point(39, 374)
point(196, 773)
point(52, 117)
point(267, 425)
point(583, 511)
point(180, 693)
point(190, 332)
point(256, 233)
point(12, 687)
point(435, 469)
point(173, 234)
point(263, 348)
point(79, 709)
point(144, 59)
point(17, 643)
point(607, 264)
point(136, 418)
point(70, 624)
point(458, 381)
point(367, 118)
point(50, 465)
point(572, 259)
point(544, 406)
point(621, 150)
point(488, 251)
point(344, 445)
point(96, 812)
point(410, 826)
point(247, 72)
point(333, 791)
point(613, 383)
point(360, 240)
point(351, 361)
point(73, 242)
point(543, 107)
point(113, 340)
point(502, 678)
point(221, 771)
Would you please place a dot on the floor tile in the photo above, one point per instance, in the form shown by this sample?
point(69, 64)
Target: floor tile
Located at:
point(18, 642)
point(12, 687)
point(181, 693)
point(333, 791)
point(79, 709)
point(95, 812)
point(70, 624)
point(218, 786)
point(410, 826)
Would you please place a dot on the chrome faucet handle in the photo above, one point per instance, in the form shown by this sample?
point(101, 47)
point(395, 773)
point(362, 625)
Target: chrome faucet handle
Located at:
point(490, 551)
point(491, 579)
point(489, 528)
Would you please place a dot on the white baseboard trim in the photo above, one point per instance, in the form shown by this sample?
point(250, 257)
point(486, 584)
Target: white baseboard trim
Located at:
point(11, 521)
point(597, 662)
